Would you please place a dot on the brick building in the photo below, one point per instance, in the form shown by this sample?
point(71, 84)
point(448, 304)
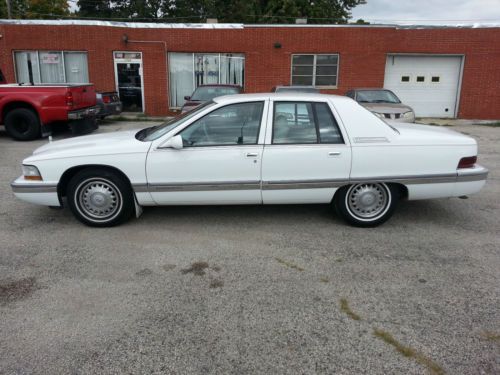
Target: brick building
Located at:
point(440, 71)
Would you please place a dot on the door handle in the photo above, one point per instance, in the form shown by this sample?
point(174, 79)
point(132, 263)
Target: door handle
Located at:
point(252, 154)
point(334, 153)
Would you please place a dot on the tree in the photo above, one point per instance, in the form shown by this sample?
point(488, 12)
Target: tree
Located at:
point(95, 8)
point(38, 8)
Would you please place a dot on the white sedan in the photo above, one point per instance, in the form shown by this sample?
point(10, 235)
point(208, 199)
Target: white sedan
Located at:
point(255, 149)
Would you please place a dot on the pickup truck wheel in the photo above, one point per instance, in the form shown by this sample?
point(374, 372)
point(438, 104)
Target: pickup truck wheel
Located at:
point(100, 197)
point(22, 124)
point(366, 204)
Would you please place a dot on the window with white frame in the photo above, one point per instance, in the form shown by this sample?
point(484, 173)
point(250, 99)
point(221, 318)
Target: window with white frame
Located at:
point(315, 70)
point(187, 71)
point(51, 67)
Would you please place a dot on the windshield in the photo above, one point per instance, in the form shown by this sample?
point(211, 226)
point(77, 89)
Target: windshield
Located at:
point(376, 96)
point(208, 93)
point(155, 132)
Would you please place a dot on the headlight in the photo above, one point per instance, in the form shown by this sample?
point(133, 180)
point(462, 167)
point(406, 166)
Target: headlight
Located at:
point(381, 115)
point(30, 172)
point(409, 115)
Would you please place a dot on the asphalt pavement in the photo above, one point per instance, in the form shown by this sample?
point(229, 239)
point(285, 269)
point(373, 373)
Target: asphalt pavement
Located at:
point(252, 289)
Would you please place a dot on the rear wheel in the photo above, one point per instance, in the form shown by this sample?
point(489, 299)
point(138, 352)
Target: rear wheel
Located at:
point(100, 197)
point(366, 204)
point(22, 124)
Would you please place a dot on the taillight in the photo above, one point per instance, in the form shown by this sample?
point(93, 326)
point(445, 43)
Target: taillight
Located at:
point(106, 99)
point(69, 99)
point(467, 162)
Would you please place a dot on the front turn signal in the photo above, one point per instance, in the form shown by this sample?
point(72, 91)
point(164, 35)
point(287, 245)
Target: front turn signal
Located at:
point(30, 172)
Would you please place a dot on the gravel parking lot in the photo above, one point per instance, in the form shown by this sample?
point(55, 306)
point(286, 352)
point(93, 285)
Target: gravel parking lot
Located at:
point(275, 289)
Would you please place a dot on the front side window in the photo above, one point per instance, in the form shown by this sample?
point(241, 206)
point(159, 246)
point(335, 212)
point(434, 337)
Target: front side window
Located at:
point(303, 123)
point(234, 124)
point(51, 67)
point(315, 70)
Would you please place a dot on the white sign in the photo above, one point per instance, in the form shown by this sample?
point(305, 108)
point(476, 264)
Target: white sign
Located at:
point(50, 58)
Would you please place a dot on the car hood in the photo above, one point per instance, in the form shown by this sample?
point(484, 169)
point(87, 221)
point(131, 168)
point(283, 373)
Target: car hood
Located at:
point(122, 142)
point(426, 134)
point(387, 107)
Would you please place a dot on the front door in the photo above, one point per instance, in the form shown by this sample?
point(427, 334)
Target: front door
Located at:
point(129, 82)
point(306, 157)
point(220, 162)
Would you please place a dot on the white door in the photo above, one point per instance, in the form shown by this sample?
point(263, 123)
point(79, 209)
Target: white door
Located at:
point(220, 162)
point(306, 157)
point(428, 84)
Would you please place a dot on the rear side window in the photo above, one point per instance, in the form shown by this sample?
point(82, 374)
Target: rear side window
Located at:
point(303, 123)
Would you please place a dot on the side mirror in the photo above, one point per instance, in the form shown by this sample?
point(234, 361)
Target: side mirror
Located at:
point(175, 142)
point(187, 97)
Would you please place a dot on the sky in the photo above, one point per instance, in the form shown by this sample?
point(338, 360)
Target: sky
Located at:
point(429, 11)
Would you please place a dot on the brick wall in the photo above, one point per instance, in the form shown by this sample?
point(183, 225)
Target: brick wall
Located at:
point(362, 52)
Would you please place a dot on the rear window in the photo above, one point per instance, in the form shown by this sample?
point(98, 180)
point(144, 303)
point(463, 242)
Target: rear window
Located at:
point(208, 93)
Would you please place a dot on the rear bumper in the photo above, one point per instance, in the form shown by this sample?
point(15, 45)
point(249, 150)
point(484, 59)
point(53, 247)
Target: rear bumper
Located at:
point(37, 192)
point(108, 109)
point(83, 113)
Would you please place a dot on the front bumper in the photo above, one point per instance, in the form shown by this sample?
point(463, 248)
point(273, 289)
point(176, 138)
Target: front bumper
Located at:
point(83, 113)
point(37, 192)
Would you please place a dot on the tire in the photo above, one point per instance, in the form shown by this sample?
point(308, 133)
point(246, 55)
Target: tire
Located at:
point(22, 124)
point(99, 197)
point(366, 204)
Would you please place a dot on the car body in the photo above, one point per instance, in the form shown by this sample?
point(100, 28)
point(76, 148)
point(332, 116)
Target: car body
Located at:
point(304, 89)
point(384, 103)
point(205, 93)
point(237, 150)
point(28, 111)
point(108, 103)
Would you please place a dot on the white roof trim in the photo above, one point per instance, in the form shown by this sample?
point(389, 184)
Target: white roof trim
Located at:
point(151, 25)
point(131, 25)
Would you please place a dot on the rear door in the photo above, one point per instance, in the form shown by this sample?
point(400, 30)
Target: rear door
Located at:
point(306, 155)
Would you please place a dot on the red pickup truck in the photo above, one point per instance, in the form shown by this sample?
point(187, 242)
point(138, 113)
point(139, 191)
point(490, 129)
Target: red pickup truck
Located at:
point(29, 111)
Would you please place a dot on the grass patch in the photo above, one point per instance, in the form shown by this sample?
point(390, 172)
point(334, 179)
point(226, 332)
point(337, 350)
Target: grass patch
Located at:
point(344, 307)
point(197, 268)
point(490, 124)
point(491, 336)
point(289, 264)
point(324, 279)
point(11, 291)
point(216, 283)
point(409, 352)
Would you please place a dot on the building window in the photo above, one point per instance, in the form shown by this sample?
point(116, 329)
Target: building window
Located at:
point(51, 67)
point(315, 70)
point(187, 71)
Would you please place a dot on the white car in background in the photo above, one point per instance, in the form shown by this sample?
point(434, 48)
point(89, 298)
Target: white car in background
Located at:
point(255, 149)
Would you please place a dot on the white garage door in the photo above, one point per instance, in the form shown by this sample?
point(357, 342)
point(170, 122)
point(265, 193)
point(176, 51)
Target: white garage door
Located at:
point(428, 84)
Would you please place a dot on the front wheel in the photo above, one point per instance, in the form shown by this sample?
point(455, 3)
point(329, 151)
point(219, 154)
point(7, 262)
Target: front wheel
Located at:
point(100, 197)
point(366, 204)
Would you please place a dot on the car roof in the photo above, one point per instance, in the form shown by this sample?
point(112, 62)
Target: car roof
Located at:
point(219, 85)
point(299, 96)
point(370, 89)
